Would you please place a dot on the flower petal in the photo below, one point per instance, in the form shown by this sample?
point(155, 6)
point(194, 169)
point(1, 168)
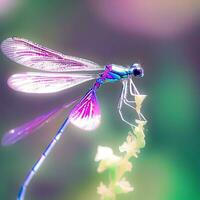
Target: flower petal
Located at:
point(104, 191)
point(103, 153)
point(124, 186)
point(138, 101)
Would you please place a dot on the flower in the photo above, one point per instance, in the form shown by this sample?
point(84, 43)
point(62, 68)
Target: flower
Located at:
point(138, 101)
point(139, 129)
point(139, 133)
point(104, 153)
point(104, 191)
point(106, 157)
point(123, 186)
point(130, 146)
point(125, 165)
point(118, 166)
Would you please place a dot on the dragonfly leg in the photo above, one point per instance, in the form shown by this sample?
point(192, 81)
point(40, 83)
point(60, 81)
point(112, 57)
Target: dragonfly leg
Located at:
point(125, 96)
point(133, 87)
point(124, 100)
point(121, 101)
point(40, 161)
point(133, 92)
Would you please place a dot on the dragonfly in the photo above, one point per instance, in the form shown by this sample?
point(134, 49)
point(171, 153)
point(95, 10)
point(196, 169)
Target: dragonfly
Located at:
point(61, 72)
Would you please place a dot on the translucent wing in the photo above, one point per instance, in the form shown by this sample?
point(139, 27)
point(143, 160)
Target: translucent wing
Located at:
point(86, 115)
point(20, 132)
point(35, 56)
point(35, 82)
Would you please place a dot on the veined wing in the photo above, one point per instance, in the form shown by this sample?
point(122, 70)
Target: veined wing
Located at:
point(36, 82)
point(30, 127)
point(38, 57)
point(86, 114)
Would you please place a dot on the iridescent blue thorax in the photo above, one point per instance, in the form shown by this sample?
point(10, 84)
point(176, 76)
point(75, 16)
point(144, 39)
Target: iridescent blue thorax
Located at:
point(112, 73)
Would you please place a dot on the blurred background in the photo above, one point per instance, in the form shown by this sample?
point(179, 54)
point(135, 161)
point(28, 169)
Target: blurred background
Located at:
point(164, 36)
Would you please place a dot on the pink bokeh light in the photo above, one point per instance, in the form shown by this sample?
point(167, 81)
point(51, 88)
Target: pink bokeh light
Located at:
point(158, 18)
point(7, 7)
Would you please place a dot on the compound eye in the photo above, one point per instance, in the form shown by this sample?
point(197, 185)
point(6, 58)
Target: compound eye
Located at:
point(138, 72)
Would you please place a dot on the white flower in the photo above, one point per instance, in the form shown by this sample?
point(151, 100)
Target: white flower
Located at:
point(104, 191)
point(105, 153)
point(140, 123)
point(106, 157)
point(124, 186)
point(139, 129)
point(138, 101)
point(125, 165)
point(130, 146)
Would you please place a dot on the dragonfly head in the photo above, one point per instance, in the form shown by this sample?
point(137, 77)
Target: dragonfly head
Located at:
point(136, 70)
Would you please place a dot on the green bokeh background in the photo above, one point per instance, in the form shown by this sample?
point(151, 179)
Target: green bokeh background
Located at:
point(168, 168)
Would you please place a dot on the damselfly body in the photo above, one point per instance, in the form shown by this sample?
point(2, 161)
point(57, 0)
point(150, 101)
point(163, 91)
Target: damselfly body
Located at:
point(86, 113)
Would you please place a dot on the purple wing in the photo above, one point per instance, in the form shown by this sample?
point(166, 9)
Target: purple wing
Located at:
point(86, 115)
point(35, 56)
point(35, 82)
point(20, 132)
